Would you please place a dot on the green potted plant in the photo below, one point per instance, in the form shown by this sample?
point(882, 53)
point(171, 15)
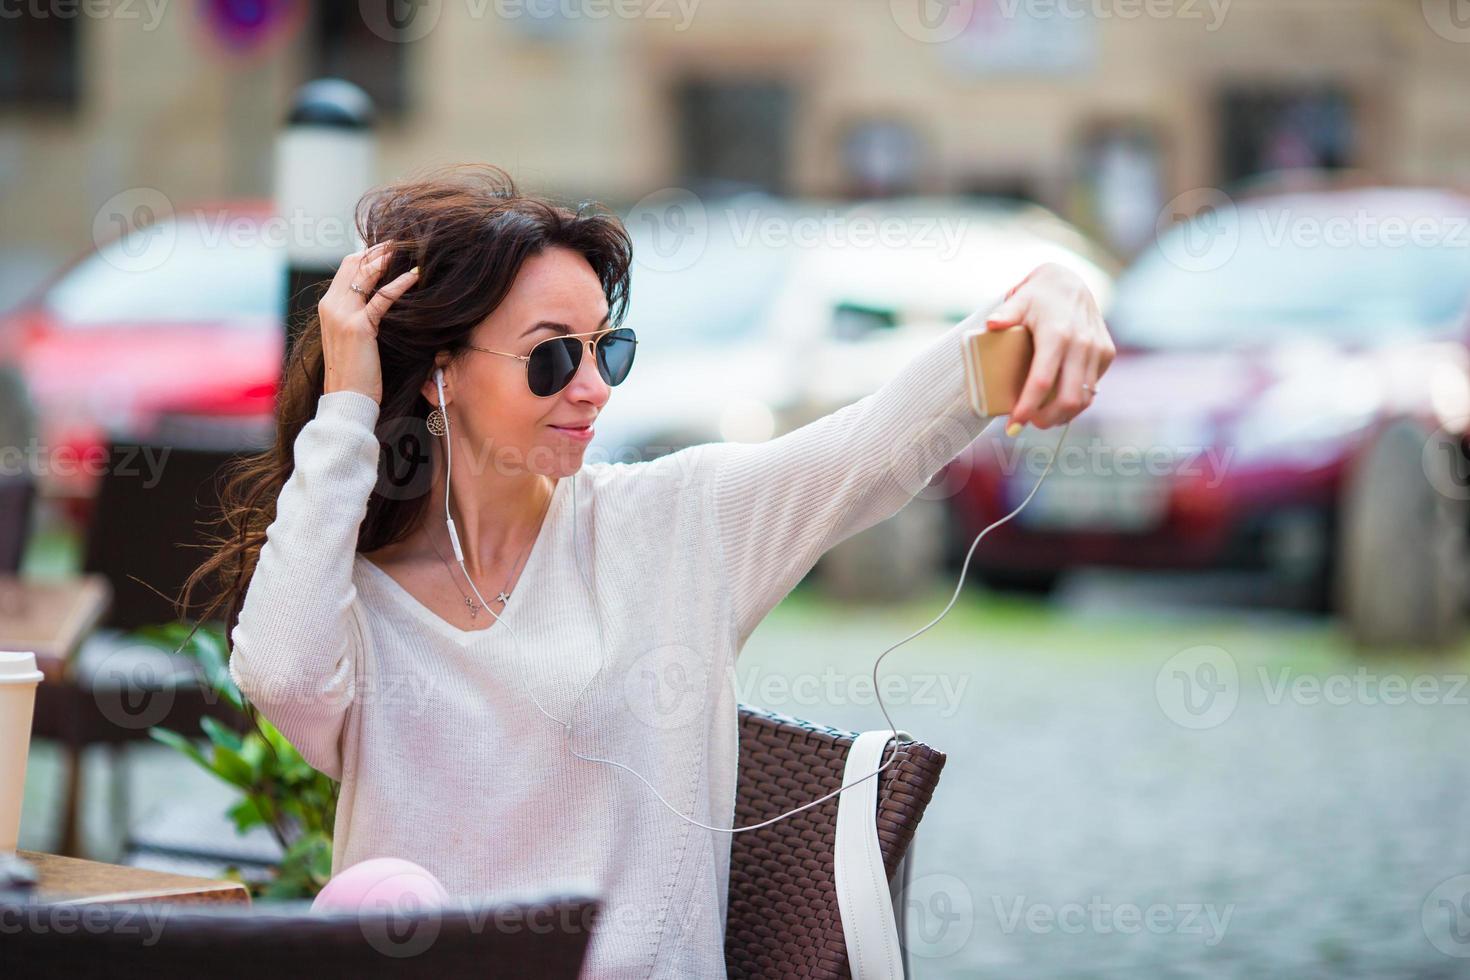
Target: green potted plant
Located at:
point(278, 788)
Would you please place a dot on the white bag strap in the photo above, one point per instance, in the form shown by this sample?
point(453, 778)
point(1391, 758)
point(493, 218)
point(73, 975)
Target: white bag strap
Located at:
point(863, 897)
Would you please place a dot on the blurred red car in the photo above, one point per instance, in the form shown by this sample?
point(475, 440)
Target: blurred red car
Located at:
point(180, 315)
point(1290, 394)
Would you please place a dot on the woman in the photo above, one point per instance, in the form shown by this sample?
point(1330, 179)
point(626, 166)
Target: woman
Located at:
point(462, 743)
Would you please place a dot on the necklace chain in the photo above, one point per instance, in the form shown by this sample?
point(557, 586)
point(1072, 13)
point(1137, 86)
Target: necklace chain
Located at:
point(504, 596)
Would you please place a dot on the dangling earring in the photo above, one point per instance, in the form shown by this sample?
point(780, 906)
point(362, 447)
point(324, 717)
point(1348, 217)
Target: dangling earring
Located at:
point(438, 424)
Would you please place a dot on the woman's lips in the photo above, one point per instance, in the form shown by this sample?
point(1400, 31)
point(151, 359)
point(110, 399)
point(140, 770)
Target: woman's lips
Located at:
point(582, 433)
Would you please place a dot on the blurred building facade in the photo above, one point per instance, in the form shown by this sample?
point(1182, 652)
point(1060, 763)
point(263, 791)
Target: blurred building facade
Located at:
point(1101, 109)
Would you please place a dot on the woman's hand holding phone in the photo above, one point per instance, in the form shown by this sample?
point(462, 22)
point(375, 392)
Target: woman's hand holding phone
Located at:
point(1072, 345)
point(350, 321)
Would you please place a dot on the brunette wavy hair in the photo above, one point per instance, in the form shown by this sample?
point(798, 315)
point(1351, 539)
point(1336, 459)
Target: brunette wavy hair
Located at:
point(469, 230)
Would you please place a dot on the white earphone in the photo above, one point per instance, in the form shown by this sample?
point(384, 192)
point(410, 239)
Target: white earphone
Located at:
point(602, 658)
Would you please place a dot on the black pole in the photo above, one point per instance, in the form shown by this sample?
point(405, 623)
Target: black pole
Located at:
point(325, 158)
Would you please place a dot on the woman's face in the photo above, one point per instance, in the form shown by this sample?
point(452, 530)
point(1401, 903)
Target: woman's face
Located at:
point(492, 411)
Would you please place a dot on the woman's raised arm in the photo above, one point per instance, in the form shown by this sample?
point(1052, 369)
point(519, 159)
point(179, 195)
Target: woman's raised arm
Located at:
point(779, 505)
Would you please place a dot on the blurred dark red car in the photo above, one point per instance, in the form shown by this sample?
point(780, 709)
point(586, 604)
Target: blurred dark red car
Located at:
point(182, 315)
point(1290, 395)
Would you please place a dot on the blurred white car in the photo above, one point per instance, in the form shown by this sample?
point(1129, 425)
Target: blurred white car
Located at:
point(708, 368)
point(895, 274)
point(884, 282)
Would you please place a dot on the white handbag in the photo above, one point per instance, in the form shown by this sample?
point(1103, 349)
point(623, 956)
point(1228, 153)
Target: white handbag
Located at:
point(864, 899)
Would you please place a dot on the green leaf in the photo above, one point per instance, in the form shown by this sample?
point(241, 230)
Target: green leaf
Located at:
point(230, 767)
point(183, 744)
point(220, 734)
point(246, 814)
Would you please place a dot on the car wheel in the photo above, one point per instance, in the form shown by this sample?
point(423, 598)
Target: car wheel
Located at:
point(1402, 561)
point(892, 560)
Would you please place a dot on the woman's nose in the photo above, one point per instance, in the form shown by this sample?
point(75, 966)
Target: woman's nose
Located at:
point(587, 383)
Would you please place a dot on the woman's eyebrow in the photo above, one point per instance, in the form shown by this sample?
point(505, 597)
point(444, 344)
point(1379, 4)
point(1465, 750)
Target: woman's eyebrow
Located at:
point(560, 327)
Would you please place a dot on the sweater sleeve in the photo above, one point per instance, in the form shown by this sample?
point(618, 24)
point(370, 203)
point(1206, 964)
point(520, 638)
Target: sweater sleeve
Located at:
point(780, 504)
point(295, 648)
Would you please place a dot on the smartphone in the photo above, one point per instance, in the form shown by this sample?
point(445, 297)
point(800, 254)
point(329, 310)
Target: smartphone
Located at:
point(996, 365)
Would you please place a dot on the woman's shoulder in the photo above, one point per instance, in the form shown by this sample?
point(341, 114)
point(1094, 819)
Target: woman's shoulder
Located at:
point(675, 472)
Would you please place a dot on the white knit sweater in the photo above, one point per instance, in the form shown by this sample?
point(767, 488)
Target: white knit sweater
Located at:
point(442, 756)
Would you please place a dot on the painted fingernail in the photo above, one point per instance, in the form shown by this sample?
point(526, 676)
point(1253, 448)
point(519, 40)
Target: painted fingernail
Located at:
point(414, 271)
point(1013, 429)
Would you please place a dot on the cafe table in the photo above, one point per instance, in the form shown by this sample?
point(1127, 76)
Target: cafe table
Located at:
point(78, 881)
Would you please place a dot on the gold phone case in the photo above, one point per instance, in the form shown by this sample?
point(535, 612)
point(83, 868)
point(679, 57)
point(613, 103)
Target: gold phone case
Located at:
point(996, 364)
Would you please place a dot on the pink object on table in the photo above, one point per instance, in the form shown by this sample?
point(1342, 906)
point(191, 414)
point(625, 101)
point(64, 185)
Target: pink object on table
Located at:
point(392, 883)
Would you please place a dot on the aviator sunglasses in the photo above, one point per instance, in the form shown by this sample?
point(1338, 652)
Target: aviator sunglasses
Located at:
point(553, 362)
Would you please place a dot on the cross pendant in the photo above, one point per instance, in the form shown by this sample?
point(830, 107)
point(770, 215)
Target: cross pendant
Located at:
point(503, 597)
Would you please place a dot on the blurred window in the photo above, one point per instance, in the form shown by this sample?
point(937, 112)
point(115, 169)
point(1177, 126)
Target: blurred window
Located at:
point(344, 46)
point(1269, 129)
point(172, 271)
point(1339, 276)
point(38, 59)
point(737, 130)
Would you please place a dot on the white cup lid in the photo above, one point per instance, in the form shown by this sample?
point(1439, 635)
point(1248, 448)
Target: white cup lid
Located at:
point(18, 665)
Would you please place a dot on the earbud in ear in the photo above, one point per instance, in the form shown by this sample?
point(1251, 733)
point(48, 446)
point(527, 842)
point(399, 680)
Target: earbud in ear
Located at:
point(439, 383)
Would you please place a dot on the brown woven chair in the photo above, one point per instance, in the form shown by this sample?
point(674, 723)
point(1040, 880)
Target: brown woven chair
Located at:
point(544, 937)
point(783, 918)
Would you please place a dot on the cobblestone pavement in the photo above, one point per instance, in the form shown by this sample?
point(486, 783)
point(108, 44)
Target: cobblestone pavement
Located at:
point(1117, 803)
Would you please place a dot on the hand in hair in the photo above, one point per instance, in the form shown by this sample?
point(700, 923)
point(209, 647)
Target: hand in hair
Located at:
point(350, 321)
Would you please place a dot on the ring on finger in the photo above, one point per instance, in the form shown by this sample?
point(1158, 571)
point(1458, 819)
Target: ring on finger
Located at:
point(358, 290)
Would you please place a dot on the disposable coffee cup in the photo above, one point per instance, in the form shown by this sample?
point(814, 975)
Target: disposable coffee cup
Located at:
point(18, 680)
